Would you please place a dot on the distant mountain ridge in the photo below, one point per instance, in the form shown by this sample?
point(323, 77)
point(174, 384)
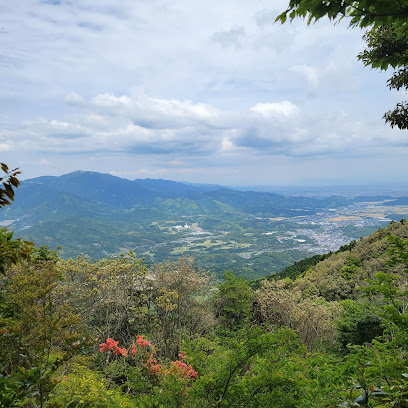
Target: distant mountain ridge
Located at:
point(101, 214)
point(123, 193)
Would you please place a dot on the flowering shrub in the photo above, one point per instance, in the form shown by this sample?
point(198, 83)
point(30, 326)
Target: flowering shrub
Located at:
point(179, 371)
point(142, 342)
point(182, 369)
point(112, 345)
point(153, 366)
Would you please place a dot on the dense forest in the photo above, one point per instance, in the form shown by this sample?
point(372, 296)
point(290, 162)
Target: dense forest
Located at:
point(330, 331)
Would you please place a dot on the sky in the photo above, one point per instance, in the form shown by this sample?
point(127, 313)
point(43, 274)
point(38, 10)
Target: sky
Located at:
point(192, 90)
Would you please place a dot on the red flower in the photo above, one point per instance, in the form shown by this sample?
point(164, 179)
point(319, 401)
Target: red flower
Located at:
point(103, 347)
point(153, 366)
point(183, 370)
point(141, 341)
point(121, 352)
point(112, 345)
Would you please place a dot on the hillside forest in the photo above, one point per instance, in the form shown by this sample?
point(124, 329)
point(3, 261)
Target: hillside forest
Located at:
point(329, 331)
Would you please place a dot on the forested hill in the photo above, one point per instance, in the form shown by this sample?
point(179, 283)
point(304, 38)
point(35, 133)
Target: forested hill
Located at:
point(336, 276)
point(115, 194)
point(300, 267)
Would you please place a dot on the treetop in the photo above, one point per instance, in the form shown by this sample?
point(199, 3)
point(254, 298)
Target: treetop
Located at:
point(363, 13)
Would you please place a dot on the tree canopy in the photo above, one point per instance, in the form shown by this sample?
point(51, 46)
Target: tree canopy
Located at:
point(386, 37)
point(363, 13)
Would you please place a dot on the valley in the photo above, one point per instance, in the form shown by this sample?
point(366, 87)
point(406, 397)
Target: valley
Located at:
point(254, 246)
point(253, 233)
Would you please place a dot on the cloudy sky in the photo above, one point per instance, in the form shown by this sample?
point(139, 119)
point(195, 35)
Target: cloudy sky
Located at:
point(194, 90)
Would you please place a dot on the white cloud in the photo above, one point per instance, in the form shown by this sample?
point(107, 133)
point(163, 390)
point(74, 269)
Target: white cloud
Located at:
point(158, 112)
point(147, 125)
point(283, 109)
point(227, 145)
point(196, 83)
point(4, 147)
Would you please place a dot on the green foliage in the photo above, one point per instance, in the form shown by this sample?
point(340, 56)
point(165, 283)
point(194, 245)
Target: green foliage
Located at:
point(31, 385)
point(386, 47)
point(33, 310)
point(12, 250)
point(312, 318)
point(398, 251)
point(104, 293)
point(17, 390)
point(300, 267)
point(350, 269)
point(399, 115)
point(359, 323)
point(255, 369)
point(233, 301)
point(362, 13)
point(391, 289)
point(86, 388)
point(371, 371)
point(178, 304)
point(397, 393)
point(37, 329)
point(8, 182)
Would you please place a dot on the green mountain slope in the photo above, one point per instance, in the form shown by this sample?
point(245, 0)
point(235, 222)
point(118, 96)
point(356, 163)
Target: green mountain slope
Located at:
point(340, 274)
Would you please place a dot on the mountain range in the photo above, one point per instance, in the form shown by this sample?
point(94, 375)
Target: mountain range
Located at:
point(102, 215)
point(89, 193)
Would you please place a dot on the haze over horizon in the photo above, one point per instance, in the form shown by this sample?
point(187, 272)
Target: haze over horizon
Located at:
point(392, 188)
point(200, 92)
